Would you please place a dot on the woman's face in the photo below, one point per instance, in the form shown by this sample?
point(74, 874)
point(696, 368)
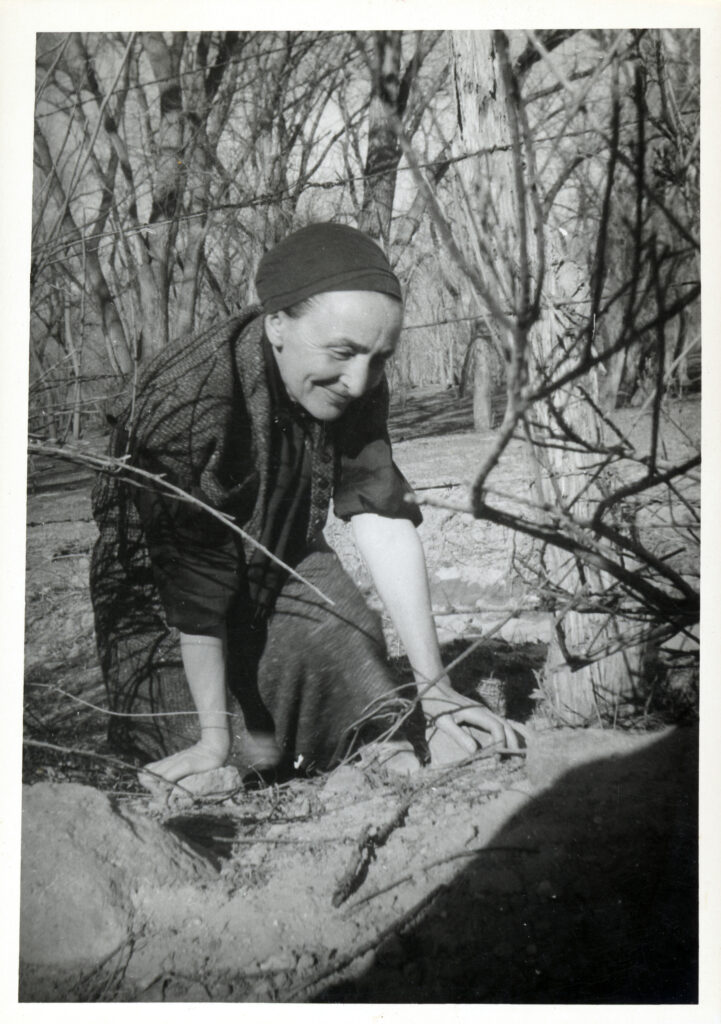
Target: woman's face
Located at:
point(336, 350)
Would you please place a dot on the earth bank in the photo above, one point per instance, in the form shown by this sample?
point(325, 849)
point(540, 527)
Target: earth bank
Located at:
point(565, 876)
point(568, 878)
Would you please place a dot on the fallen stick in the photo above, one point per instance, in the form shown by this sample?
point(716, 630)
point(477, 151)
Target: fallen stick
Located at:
point(371, 839)
point(252, 840)
point(458, 855)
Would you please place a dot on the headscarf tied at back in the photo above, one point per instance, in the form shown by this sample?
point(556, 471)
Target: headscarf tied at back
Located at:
point(319, 258)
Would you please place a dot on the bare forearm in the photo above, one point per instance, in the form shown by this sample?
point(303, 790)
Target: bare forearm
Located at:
point(394, 555)
point(204, 664)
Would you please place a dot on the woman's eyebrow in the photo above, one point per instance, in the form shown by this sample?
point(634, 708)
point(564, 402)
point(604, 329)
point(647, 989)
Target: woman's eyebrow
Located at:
point(357, 346)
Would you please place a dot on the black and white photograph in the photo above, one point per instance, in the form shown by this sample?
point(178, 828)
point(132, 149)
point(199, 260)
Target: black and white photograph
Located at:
point(361, 512)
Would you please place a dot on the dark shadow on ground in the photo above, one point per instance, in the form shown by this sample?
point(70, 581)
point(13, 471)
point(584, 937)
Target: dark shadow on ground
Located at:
point(587, 895)
point(426, 413)
point(498, 673)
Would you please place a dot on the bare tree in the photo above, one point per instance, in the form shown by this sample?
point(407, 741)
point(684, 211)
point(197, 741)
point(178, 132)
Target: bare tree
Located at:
point(163, 171)
point(604, 495)
point(391, 102)
point(557, 171)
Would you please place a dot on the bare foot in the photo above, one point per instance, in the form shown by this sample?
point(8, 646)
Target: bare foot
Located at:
point(203, 757)
point(259, 750)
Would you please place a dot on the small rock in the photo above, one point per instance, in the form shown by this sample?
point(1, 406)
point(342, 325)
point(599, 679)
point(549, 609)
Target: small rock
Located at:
point(213, 783)
point(155, 992)
point(302, 807)
point(149, 981)
point(545, 889)
point(306, 962)
point(263, 992)
point(345, 780)
point(221, 992)
point(277, 963)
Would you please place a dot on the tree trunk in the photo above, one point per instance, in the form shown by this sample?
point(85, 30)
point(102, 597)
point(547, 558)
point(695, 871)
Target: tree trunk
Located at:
point(75, 358)
point(482, 385)
point(168, 185)
point(80, 65)
point(115, 341)
point(384, 151)
point(579, 693)
point(497, 221)
point(201, 95)
point(486, 183)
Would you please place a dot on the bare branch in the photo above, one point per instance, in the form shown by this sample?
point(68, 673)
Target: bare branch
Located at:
point(135, 476)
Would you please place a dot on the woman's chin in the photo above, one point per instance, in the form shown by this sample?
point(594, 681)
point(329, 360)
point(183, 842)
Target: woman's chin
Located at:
point(325, 406)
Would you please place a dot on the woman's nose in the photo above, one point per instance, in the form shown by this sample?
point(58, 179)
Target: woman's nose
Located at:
point(356, 377)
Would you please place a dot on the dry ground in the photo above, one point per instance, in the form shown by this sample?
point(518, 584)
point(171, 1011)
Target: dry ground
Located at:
point(568, 876)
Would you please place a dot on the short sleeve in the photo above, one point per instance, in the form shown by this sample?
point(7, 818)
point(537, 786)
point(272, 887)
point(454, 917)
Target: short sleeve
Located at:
point(367, 478)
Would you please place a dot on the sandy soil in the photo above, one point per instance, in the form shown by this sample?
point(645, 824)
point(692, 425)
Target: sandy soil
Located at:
point(568, 875)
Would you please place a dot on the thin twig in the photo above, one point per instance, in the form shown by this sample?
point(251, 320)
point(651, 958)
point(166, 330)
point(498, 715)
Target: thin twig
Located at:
point(373, 708)
point(370, 840)
point(120, 468)
point(77, 751)
point(120, 714)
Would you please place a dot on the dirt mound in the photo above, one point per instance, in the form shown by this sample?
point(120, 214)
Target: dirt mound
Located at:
point(88, 868)
point(568, 878)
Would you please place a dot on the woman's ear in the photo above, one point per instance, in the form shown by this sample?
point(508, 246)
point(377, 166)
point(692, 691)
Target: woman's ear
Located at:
point(275, 329)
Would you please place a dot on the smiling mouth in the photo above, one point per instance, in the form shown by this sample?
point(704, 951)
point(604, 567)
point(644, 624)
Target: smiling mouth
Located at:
point(336, 398)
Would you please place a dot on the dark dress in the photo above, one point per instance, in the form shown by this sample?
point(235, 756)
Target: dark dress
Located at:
point(213, 417)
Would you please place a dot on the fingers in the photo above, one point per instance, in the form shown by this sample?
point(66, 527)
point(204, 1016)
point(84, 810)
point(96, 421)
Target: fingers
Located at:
point(449, 744)
point(456, 733)
point(503, 732)
point(511, 737)
point(519, 729)
point(480, 718)
point(462, 720)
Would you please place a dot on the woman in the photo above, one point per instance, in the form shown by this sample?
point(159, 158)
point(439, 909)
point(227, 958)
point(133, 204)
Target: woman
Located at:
point(265, 418)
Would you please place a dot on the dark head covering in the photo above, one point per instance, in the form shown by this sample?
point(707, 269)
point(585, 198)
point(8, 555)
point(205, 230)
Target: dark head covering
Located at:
point(323, 258)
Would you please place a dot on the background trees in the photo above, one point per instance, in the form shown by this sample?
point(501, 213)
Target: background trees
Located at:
point(538, 194)
point(588, 273)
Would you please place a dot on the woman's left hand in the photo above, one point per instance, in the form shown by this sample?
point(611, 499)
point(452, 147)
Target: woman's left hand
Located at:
point(460, 720)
